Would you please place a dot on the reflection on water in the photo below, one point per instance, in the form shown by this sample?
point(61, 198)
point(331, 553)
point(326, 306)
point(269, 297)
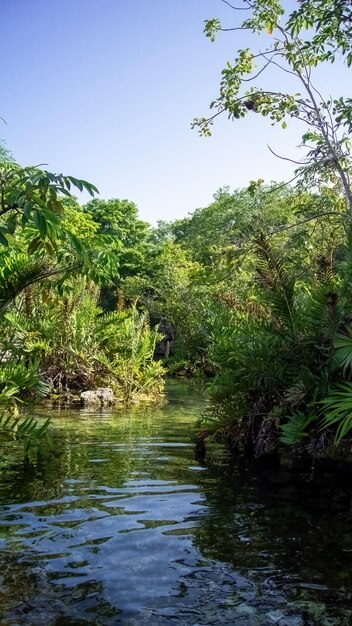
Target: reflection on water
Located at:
point(125, 527)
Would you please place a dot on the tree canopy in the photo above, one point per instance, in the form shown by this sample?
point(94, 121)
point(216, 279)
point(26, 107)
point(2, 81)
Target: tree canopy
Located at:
point(295, 42)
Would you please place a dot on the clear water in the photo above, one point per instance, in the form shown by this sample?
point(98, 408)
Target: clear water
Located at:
point(127, 527)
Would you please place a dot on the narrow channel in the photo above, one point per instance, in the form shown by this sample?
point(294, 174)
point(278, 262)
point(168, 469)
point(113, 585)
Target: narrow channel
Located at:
point(126, 526)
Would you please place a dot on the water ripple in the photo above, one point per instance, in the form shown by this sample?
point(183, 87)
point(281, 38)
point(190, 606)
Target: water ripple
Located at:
point(125, 527)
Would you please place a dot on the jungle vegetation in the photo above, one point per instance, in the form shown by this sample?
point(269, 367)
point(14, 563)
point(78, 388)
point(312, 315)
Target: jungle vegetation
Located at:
point(56, 337)
point(254, 291)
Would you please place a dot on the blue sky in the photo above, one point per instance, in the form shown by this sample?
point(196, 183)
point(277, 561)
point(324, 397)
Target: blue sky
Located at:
point(106, 90)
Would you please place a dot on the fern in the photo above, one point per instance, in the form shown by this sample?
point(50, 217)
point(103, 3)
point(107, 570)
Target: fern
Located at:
point(295, 429)
point(18, 379)
point(276, 281)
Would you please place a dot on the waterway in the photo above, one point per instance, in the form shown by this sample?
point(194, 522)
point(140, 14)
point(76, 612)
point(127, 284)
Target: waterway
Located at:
point(126, 526)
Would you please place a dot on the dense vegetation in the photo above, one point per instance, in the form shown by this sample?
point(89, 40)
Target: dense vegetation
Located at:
point(272, 293)
point(56, 338)
point(255, 288)
point(252, 292)
point(287, 366)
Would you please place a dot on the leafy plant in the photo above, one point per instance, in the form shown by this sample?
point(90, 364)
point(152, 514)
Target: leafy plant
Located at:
point(338, 410)
point(22, 380)
point(128, 346)
point(294, 431)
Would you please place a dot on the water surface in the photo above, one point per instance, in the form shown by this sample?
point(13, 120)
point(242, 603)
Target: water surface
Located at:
point(126, 526)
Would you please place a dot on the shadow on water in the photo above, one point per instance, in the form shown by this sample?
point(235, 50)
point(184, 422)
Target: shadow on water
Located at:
point(126, 527)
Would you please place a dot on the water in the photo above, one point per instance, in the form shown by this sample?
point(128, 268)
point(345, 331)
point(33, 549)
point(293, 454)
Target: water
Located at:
point(127, 527)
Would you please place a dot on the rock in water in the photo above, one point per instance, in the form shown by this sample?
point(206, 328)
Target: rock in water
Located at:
point(102, 397)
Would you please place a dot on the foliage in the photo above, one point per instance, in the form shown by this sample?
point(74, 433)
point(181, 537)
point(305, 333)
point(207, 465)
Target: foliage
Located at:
point(21, 379)
point(338, 410)
point(119, 219)
point(277, 367)
point(42, 236)
point(169, 287)
point(78, 346)
point(128, 346)
point(5, 153)
point(255, 287)
point(282, 343)
point(296, 43)
point(32, 197)
point(18, 380)
point(54, 259)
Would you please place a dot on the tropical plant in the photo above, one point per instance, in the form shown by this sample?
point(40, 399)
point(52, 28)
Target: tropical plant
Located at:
point(276, 365)
point(127, 353)
point(31, 196)
point(52, 258)
point(285, 371)
point(18, 381)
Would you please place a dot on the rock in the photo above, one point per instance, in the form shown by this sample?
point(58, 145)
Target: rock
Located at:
point(164, 347)
point(101, 397)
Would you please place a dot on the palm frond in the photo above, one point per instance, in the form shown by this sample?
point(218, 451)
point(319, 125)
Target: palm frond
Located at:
point(343, 351)
point(295, 429)
point(338, 410)
point(16, 273)
point(20, 379)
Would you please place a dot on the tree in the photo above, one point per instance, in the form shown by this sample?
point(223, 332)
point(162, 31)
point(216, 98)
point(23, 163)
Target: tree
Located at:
point(297, 42)
point(119, 220)
point(5, 153)
point(259, 356)
point(33, 197)
point(43, 232)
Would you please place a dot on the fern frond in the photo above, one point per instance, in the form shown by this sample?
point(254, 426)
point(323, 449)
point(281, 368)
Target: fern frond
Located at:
point(276, 281)
point(295, 429)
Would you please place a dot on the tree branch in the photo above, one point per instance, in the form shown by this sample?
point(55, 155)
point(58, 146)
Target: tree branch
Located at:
point(286, 158)
point(236, 8)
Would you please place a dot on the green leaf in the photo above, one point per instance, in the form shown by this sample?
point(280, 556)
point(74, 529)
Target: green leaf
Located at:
point(3, 239)
point(40, 223)
point(34, 245)
point(76, 243)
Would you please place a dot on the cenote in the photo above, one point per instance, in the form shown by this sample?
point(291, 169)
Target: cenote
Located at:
point(126, 526)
